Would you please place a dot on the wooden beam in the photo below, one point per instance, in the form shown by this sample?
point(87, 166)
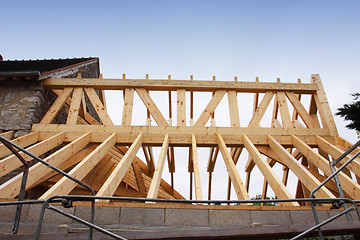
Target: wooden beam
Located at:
point(210, 108)
point(128, 106)
point(348, 185)
point(239, 187)
point(75, 106)
point(65, 185)
point(155, 183)
point(12, 162)
point(150, 105)
point(139, 179)
point(8, 135)
point(11, 188)
point(334, 152)
point(56, 106)
point(323, 106)
point(299, 108)
point(173, 85)
point(98, 106)
point(115, 178)
point(70, 162)
point(233, 109)
point(260, 111)
point(277, 186)
point(176, 130)
point(195, 159)
point(299, 170)
point(181, 107)
point(284, 110)
point(22, 141)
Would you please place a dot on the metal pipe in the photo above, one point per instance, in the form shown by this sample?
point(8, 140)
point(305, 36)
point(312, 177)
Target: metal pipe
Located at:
point(332, 175)
point(352, 148)
point(22, 186)
point(322, 224)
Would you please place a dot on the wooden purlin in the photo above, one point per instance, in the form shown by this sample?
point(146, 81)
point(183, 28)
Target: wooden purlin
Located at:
point(291, 140)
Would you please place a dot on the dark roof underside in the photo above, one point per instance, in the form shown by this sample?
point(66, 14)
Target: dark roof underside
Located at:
point(39, 65)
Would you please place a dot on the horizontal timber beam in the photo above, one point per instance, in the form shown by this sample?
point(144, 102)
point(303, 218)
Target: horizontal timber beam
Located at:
point(173, 85)
point(178, 136)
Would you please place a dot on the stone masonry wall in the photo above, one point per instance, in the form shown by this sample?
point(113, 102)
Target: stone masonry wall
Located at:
point(25, 102)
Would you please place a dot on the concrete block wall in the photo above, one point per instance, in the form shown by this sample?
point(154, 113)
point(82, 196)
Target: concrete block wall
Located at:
point(172, 217)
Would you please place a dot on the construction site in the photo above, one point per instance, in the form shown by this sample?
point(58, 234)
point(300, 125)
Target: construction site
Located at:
point(68, 172)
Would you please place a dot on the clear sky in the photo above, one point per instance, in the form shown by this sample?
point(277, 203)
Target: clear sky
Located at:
point(247, 39)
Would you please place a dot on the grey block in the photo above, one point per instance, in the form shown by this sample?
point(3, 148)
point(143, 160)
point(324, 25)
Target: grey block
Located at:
point(271, 217)
point(229, 218)
point(7, 213)
point(50, 216)
point(103, 215)
point(343, 218)
point(142, 216)
point(307, 216)
point(187, 217)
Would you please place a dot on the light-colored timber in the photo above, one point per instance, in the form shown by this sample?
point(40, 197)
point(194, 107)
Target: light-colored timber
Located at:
point(281, 131)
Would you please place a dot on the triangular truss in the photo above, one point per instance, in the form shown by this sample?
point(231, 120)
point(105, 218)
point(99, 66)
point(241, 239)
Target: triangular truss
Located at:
point(92, 149)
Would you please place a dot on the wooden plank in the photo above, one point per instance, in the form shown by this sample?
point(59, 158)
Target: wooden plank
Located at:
point(75, 106)
point(98, 106)
point(150, 105)
point(149, 160)
point(284, 110)
point(173, 85)
point(198, 193)
point(334, 152)
point(155, 183)
point(12, 162)
point(323, 105)
point(348, 185)
point(210, 108)
point(22, 141)
point(178, 130)
point(139, 179)
point(8, 135)
point(239, 187)
point(181, 107)
point(65, 185)
point(299, 170)
point(277, 186)
point(305, 116)
point(233, 109)
point(115, 178)
point(10, 189)
point(260, 111)
point(128, 106)
point(56, 106)
point(70, 162)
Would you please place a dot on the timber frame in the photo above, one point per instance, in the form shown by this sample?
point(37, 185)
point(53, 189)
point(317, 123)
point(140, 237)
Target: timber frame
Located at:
point(103, 155)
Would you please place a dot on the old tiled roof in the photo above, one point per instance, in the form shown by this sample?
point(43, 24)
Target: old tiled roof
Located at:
point(35, 68)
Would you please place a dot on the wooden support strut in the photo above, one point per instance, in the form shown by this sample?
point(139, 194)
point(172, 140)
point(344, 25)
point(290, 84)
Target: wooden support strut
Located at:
point(278, 187)
point(65, 185)
point(155, 183)
point(113, 181)
point(233, 173)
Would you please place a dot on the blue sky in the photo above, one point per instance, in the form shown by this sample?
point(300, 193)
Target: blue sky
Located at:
point(247, 39)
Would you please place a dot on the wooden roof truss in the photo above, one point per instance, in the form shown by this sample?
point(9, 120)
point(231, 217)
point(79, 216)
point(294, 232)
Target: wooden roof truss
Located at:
point(104, 155)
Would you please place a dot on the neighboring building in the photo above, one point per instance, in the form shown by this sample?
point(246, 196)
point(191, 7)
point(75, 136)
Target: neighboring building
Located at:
point(23, 100)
